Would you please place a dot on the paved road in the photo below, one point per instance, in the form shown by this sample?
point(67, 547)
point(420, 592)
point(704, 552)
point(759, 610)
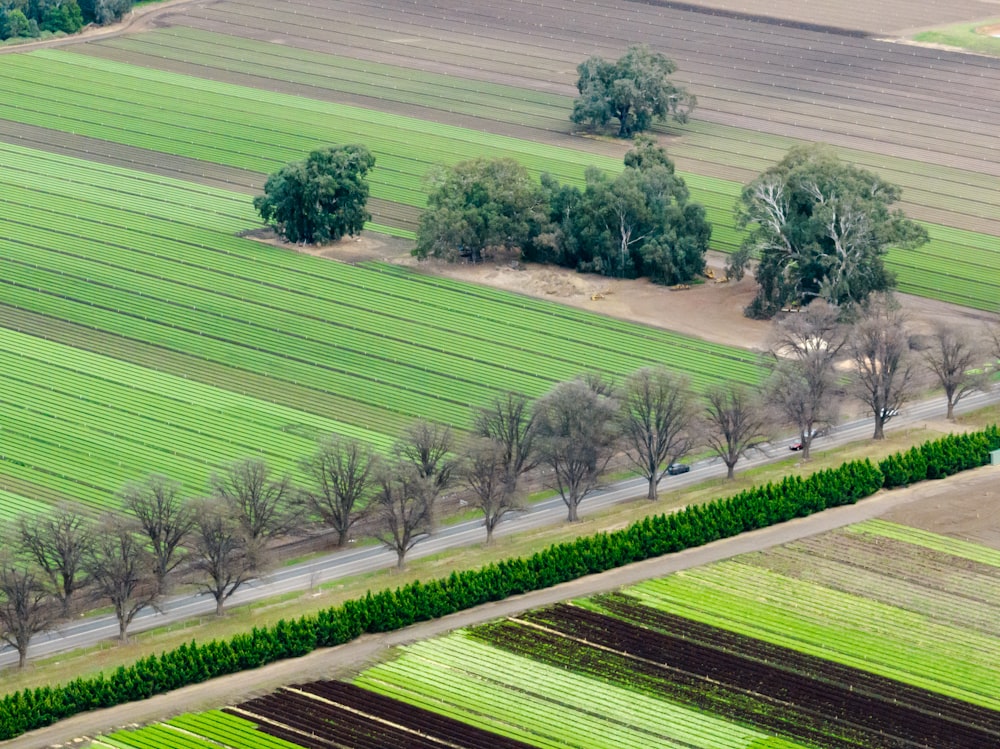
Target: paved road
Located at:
point(91, 630)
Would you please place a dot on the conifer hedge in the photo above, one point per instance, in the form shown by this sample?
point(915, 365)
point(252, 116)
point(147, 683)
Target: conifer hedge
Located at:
point(392, 609)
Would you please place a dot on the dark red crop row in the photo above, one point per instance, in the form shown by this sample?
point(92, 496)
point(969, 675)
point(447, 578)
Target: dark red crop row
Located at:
point(921, 700)
point(844, 699)
point(336, 714)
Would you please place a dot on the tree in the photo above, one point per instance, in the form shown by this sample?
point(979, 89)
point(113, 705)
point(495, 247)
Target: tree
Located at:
point(635, 90)
point(402, 508)
point(58, 542)
point(509, 424)
point(163, 518)
point(122, 570)
point(220, 557)
point(342, 472)
point(820, 230)
point(879, 348)
point(735, 423)
point(656, 418)
point(262, 505)
point(639, 223)
point(577, 436)
point(427, 447)
point(320, 199)
point(27, 606)
point(485, 471)
point(957, 363)
point(803, 379)
point(477, 208)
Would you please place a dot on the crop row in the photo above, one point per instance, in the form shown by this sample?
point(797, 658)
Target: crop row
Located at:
point(945, 544)
point(544, 705)
point(209, 730)
point(101, 421)
point(896, 560)
point(849, 629)
point(874, 713)
point(134, 230)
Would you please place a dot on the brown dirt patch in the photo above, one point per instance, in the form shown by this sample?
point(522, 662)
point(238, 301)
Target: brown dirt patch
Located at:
point(709, 310)
point(963, 507)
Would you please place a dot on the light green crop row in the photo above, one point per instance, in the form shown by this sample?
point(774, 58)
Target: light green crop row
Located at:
point(849, 629)
point(209, 730)
point(928, 540)
point(547, 706)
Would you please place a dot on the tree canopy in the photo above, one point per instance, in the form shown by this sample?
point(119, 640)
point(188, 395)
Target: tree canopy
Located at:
point(478, 207)
point(320, 199)
point(635, 90)
point(639, 223)
point(820, 229)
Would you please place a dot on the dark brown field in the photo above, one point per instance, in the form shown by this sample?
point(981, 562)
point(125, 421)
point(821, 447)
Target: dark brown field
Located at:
point(329, 714)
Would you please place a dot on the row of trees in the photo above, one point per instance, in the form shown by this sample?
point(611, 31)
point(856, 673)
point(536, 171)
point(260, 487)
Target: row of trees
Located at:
point(386, 610)
point(29, 18)
point(567, 438)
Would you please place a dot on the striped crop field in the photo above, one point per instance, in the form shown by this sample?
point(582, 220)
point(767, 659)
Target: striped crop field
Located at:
point(139, 333)
point(958, 205)
point(202, 116)
point(650, 666)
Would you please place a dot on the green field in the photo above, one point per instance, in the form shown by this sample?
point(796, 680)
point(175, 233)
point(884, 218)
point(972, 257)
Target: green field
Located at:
point(141, 334)
point(210, 120)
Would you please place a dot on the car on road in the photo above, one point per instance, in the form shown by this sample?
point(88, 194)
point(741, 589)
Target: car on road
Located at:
point(675, 469)
point(797, 445)
point(888, 413)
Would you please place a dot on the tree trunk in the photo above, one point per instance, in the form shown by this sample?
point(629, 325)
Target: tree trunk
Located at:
point(806, 447)
point(122, 630)
point(651, 494)
point(400, 558)
point(572, 516)
point(341, 538)
point(879, 429)
point(951, 409)
point(220, 604)
point(489, 533)
point(22, 656)
point(730, 469)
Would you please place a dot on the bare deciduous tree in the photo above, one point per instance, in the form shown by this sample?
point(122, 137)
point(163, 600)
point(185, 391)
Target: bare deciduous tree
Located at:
point(957, 363)
point(402, 508)
point(879, 347)
point(57, 542)
point(507, 422)
point(577, 436)
point(122, 570)
point(485, 471)
point(803, 381)
point(163, 518)
point(427, 447)
point(735, 423)
point(27, 606)
point(342, 472)
point(219, 554)
point(656, 421)
point(260, 503)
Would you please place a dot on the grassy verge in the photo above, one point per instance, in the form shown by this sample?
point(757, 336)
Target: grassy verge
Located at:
point(107, 656)
point(964, 35)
